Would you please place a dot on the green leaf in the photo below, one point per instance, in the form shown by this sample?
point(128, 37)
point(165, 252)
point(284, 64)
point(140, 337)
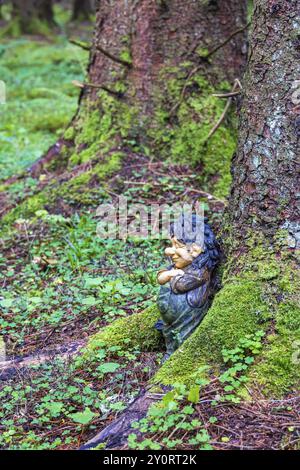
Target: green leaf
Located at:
point(168, 397)
point(108, 367)
point(55, 407)
point(93, 282)
point(90, 301)
point(213, 419)
point(83, 417)
point(194, 394)
point(6, 303)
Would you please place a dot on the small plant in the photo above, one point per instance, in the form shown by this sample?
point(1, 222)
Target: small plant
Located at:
point(168, 420)
point(239, 359)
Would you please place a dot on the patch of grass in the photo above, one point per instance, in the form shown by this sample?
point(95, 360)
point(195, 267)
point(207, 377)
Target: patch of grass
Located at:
point(67, 275)
point(41, 99)
point(63, 404)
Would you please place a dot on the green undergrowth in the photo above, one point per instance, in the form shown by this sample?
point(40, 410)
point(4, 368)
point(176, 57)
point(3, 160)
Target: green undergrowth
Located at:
point(64, 403)
point(176, 418)
point(41, 99)
point(86, 189)
point(64, 274)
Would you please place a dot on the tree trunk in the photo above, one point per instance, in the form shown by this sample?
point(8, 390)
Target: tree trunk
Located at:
point(30, 13)
point(153, 68)
point(266, 178)
point(261, 280)
point(82, 9)
point(155, 35)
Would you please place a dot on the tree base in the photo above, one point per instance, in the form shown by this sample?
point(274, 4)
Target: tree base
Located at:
point(246, 304)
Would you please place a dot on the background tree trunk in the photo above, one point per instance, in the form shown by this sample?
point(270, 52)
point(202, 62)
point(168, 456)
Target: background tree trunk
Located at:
point(82, 9)
point(153, 68)
point(29, 11)
point(265, 190)
point(163, 34)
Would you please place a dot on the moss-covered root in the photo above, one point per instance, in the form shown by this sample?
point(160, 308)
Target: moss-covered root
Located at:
point(278, 368)
point(238, 309)
point(138, 330)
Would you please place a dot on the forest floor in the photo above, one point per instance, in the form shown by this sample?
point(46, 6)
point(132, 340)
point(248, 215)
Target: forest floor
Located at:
point(59, 284)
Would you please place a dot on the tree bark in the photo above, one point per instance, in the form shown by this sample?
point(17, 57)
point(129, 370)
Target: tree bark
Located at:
point(82, 9)
point(29, 11)
point(159, 34)
point(261, 278)
point(265, 190)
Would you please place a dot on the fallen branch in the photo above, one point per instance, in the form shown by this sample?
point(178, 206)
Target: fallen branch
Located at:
point(10, 368)
point(115, 434)
point(113, 57)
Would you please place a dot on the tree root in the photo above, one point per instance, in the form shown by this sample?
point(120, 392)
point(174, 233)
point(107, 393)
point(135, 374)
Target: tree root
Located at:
point(115, 434)
point(10, 368)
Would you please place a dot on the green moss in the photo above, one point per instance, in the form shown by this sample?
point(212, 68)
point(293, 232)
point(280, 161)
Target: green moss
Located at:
point(125, 55)
point(135, 331)
point(80, 190)
point(278, 369)
point(70, 133)
point(25, 210)
point(182, 124)
point(99, 129)
point(237, 310)
point(112, 164)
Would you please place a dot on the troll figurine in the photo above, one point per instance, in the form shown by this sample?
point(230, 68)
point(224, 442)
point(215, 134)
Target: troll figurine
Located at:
point(188, 285)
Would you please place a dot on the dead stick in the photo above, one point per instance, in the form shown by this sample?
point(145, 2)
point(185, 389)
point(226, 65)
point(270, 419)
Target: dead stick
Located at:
point(113, 57)
point(222, 117)
point(238, 31)
point(174, 108)
point(226, 95)
point(83, 45)
point(94, 85)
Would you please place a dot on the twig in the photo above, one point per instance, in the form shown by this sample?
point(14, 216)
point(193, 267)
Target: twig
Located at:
point(238, 31)
point(113, 57)
point(94, 85)
point(83, 45)
point(207, 195)
point(217, 125)
point(226, 95)
point(222, 117)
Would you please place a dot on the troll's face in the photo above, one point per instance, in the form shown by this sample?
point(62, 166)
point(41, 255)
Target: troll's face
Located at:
point(181, 254)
